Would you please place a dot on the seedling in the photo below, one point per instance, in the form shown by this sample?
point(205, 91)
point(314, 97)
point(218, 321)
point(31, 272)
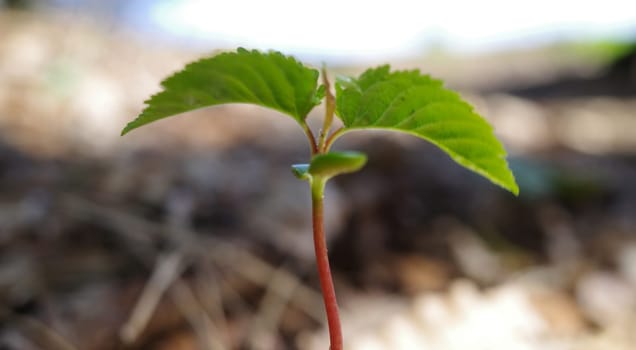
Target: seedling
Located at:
point(403, 101)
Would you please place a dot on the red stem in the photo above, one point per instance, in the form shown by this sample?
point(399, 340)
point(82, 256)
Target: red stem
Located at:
point(324, 272)
point(333, 137)
point(311, 138)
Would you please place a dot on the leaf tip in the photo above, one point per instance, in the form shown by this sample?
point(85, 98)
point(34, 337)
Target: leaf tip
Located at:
point(124, 131)
point(514, 188)
point(129, 127)
point(507, 182)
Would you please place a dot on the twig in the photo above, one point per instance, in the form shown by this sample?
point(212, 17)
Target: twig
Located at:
point(207, 290)
point(304, 298)
point(244, 263)
point(167, 268)
point(271, 308)
point(192, 310)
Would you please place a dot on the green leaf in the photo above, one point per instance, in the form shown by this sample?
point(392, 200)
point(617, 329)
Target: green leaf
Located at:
point(409, 102)
point(269, 80)
point(327, 165)
point(301, 171)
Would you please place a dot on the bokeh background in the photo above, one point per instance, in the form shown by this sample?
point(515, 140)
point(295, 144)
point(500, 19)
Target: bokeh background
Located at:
point(192, 233)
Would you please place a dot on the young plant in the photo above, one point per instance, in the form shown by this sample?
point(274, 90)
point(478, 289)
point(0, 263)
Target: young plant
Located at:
point(403, 101)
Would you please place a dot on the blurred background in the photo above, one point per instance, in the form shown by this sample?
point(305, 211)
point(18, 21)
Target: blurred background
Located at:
point(192, 233)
